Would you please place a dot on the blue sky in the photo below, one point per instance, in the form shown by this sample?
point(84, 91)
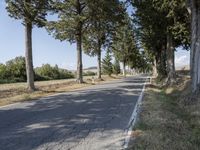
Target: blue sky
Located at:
point(45, 48)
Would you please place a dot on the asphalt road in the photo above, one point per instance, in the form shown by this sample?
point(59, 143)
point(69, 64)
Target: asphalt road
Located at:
point(91, 119)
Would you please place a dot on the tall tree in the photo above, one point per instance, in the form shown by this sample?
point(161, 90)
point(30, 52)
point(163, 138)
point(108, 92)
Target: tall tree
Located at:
point(31, 12)
point(116, 67)
point(73, 19)
point(164, 27)
point(177, 30)
point(107, 64)
point(123, 43)
point(194, 10)
point(104, 17)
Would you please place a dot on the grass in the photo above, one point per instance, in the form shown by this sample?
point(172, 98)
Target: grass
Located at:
point(16, 92)
point(169, 119)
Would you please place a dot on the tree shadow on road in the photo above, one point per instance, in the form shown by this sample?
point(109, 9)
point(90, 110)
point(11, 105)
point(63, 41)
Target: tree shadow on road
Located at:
point(66, 119)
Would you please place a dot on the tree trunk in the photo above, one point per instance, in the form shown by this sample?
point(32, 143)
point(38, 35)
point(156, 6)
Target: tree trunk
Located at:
point(79, 78)
point(171, 74)
point(99, 61)
point(124, 68)
point(155, 71)
point(29, 58)
point(195, 45)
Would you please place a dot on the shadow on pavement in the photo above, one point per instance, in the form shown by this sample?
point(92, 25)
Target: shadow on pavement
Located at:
point(67, 118)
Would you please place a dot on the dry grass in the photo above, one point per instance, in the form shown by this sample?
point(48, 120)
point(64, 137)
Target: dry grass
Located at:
point(16, 92)
point(168, 119)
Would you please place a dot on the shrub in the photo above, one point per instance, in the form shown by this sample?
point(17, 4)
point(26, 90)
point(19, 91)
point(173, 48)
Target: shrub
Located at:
point(47, 72)
point(89, 73)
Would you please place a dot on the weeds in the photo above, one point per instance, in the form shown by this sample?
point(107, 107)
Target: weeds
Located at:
point(165, 123)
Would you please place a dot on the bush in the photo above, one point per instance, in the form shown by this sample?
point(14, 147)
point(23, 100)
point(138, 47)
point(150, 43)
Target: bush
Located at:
point(13, 71)
point(65, 74)
point(3, 71)
point(89, 73)
point(16, 69)
point(47, 72)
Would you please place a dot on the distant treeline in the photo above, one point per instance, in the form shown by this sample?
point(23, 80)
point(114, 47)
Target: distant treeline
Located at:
point(15, 71)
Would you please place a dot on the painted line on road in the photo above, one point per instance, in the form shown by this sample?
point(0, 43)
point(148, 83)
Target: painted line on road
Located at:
point(132, 120)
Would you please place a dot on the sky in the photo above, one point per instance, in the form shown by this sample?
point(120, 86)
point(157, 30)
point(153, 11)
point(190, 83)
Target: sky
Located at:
point(45, 48)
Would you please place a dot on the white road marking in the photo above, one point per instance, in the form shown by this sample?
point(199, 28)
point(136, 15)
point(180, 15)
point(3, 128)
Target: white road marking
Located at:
point(132, 120)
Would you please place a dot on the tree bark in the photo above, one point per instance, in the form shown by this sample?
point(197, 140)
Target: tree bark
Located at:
point(171, 74)
point(79, 55)
point(195, 45)
point(124, 68)
point(99, 60)
point(28, 57)
point(155, 71)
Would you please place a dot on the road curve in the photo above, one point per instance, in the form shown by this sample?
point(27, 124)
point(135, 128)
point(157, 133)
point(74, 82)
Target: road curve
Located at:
point(91, 119)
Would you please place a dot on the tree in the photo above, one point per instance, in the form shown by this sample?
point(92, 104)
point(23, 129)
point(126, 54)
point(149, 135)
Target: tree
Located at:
point(16, 69)
point(104, 17)
point(194, 10)
point(3, 72)
point(116, 67)
point(73, 17)
point(31, 13)
point(48, 72)
point(177, 30)
point(163, 26)
point(123, 43)
point(107, 64)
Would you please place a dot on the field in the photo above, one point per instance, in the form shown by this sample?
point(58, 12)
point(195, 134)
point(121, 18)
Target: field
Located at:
point(16, 92)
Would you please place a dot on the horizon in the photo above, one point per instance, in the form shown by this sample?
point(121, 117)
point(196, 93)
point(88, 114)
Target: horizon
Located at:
point(46, 49)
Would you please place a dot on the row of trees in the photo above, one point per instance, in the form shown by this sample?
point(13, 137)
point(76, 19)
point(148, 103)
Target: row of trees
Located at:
point(92, 25)
point(160, 26)
point(163, 26)
point(15, 71)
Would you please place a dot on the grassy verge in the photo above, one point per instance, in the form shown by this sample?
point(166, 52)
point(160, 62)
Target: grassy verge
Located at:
point(169, 120)
point(16, 92)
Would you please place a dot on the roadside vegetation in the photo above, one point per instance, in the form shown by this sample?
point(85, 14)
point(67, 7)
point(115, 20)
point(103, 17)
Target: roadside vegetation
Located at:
point(93, 25)
point(14, 70)
point(169, 118)
point(143, 40)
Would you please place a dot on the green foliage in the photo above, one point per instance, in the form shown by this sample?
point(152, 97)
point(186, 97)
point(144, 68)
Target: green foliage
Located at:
point(3, 71)
point(177, 20)
point(29, 11)
point(116, 67)
point(124, 43)
point(16, 69)
point(107, 64)
point(47, 72)
point(72, 16)
point(13, 71)
point(89, 73)
point(104, 16)
point(155, 20)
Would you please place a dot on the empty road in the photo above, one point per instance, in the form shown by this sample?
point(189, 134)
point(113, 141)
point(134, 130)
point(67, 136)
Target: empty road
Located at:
point(94, 118)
